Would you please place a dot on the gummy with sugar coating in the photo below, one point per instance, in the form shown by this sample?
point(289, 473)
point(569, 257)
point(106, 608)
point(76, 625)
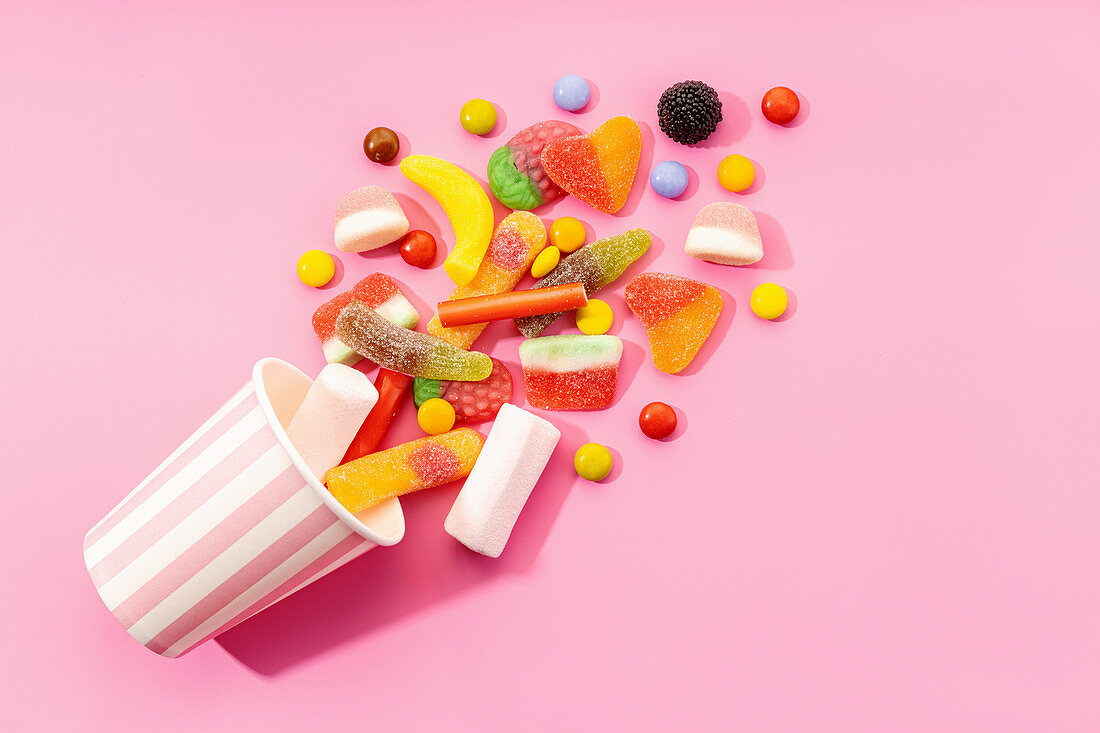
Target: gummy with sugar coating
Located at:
point(467, 208)
point(515, 244)
point(419, 464)
point(595, 266)
point(473, 401)
point(405, 351)
point(571, 372)
point(368, 218)
point(678, 315)
point(377, 291)
point(597, 168)
point(515, 171)
point(725, 233)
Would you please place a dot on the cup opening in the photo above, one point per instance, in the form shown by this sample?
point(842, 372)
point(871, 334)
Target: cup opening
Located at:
point(281, 388)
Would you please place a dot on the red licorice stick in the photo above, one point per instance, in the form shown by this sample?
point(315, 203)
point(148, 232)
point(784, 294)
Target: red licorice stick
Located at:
point(392, 388)
point(513, 304)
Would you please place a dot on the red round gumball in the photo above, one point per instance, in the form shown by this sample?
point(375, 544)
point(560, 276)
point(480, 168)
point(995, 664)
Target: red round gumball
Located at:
point(780, 105)
point(657, 420)
point(418, 248)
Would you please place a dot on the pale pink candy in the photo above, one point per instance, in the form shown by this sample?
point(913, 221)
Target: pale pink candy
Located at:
point(725, 233)
point(368, 218)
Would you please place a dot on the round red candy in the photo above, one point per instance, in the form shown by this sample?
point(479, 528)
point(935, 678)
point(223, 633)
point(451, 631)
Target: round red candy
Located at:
point(418, 248)
point(657, 420)
point(780, 105)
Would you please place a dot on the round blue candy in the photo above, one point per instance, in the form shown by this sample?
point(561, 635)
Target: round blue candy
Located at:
point(669, 179)
point(571, 92)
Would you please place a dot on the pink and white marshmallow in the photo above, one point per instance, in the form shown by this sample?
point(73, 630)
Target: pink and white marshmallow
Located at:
point(368, 218)
point(725, 233)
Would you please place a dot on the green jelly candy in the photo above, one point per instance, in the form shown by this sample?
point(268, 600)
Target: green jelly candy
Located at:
point(424, 390)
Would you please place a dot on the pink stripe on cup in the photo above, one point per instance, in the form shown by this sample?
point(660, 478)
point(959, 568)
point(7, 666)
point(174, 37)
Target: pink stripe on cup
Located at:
point(210, 546)
point(183, 506)
point(316, 568)
point(215, 431)
point(278, 552)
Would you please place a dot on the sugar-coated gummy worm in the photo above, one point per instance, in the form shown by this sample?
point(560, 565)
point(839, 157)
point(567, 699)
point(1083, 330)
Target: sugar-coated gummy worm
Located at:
point(594, 265)
point(405, 351)
point(466, 205)
point(393, 387)
point(516, 242)
point(514, 304)
point(419, 464)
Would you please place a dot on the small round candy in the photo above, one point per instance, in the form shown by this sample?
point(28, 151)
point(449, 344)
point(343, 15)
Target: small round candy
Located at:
point(779, 105)
point(381, 145)
point(567, 234)
point(657, 420)
point(316, 268)
point(736, 173)
point(769, 301)
point(546, 261)
point(436, 416)
point(478, 116)
point(595, 318)
point(571, 92)
point(669, 179)
point(592, 461)
point(418, 248)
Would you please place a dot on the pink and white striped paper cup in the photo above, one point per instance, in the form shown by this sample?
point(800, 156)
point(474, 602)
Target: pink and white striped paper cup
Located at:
point(229, 524)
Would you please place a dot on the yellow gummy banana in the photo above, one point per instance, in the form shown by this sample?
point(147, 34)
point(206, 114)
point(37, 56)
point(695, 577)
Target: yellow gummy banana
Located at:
point(466, 205)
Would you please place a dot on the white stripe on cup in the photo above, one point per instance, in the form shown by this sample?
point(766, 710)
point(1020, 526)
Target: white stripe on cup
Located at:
point(293, 565)
point(225, 565)
point(248, 426)
point(194, 438)
point(249, 482)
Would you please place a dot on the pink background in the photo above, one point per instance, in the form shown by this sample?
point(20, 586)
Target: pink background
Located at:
point(880, 514)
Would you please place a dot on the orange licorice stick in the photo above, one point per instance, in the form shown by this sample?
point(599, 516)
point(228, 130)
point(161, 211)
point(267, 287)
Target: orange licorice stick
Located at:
point(514, 304)
point(392, 388)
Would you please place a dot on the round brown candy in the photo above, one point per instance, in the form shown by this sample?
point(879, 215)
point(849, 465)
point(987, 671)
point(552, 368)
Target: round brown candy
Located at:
point(381, 145)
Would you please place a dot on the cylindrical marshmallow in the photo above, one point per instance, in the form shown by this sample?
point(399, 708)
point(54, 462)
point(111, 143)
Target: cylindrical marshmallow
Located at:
point(330, 415)
point(511, 461)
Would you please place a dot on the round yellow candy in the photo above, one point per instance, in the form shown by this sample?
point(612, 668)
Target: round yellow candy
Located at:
point(316, 268)
point(736, 173)
point(478, 116)
point(769, 301)
point(436, 416)
point(592, 461)
point(595, 318)
point(567, 234)
point(546, 261)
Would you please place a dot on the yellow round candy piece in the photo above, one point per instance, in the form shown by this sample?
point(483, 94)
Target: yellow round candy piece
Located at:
point(595, 318)
point(567, 234)
point(316, 268)
point(736, 173)
point(478, 116)
point(546, 261)
point(592, 461)
point(436, 416)
point(769, 301)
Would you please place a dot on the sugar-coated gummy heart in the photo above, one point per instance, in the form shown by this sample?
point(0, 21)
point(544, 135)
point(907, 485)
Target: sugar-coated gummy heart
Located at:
point(405, 351)
point(571, 372)
point(678, 315)
point(516, 176)
point(377, 291)
point(467, 208)
point(594, 265)
point(473, 401)
point(725, 233)
point(597, 168)
point(515, 244)
point(368, 218)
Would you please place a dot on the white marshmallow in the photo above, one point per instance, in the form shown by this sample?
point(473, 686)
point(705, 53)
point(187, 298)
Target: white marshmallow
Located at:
point(511, 461)
point(330, 415)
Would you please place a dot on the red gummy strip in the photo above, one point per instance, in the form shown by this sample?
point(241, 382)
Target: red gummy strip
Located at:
point(478, 401)
point(392, 388)
point(434, 464)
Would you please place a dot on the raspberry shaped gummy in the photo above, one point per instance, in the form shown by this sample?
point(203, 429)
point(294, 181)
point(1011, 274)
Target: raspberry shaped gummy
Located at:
point(689, 112)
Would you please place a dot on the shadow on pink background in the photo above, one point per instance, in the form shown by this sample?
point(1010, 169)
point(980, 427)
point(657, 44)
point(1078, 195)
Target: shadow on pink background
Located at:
point(879, 513)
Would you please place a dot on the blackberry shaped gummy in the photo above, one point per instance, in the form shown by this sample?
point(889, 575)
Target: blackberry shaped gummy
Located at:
point(689, 112)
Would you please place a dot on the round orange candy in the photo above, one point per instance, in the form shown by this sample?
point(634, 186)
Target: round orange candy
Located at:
point(780, 105)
